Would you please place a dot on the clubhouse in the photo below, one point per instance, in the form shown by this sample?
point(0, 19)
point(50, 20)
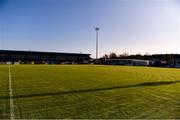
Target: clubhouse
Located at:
point(130, 62)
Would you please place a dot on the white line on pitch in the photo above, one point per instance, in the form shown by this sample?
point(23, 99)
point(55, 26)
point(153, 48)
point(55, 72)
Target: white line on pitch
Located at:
point(11, 95)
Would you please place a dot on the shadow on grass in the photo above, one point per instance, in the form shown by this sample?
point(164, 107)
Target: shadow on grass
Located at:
point(146, 84)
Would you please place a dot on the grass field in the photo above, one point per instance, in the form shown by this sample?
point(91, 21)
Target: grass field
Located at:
point(90, 91)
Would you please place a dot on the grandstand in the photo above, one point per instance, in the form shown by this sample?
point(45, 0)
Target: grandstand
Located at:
point(37, 57)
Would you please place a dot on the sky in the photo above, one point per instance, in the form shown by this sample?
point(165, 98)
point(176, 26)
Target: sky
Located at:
point(131, 26)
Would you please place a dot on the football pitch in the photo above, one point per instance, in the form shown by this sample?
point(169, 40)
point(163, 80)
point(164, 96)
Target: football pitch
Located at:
point(88, 91)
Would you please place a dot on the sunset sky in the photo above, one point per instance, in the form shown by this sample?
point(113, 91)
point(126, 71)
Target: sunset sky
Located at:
point(133, 26)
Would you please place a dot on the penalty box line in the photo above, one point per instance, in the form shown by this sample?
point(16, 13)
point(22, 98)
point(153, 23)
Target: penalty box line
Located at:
point(11, 95)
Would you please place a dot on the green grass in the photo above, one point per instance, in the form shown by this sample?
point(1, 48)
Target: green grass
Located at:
point(91, 91)
point(4, 104)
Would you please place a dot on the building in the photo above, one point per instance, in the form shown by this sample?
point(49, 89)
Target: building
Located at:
point(133, 62)
point(36, 57)
point(175, 62)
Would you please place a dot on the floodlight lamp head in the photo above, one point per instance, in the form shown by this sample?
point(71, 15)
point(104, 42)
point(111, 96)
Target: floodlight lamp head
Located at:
point(97, 28)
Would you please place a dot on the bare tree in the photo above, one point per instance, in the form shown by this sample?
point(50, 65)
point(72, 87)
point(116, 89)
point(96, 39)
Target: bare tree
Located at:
point(105, 56)
point(124, 55)
point(113, 55)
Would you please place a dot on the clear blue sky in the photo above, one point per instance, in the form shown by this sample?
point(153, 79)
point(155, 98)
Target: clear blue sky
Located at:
point(133, 26)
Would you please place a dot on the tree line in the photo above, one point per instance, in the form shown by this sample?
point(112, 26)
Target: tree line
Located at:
point(165, 57)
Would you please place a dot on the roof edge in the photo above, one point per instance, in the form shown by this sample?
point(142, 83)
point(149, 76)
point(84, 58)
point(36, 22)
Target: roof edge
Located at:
point(43, 52)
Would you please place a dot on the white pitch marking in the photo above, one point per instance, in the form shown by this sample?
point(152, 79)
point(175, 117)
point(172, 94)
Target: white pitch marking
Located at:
point(11, 95)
